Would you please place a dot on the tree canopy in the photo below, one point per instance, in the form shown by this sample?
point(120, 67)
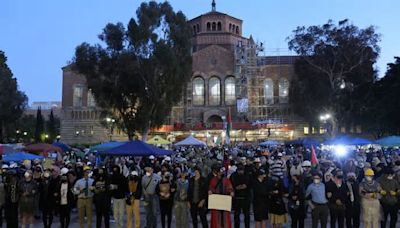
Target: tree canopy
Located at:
point(140, 72)
point(335, 70)
point(12, 100)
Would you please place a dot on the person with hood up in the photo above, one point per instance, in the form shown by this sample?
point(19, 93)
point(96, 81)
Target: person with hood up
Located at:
point(370, 206)
point(133, 200)
point(101, 198)
point(66, 199)
point(119, 189)
point(242, 186)
point(45, 204)
point(28, 190)
point(389, 201)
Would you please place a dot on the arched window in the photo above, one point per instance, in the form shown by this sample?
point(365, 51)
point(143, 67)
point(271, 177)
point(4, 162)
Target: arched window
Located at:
point(90, 99)
point(194, 29)
point(214, 26)
point(230, 96)
point(237, 29)
point(283, 90)
point(214, 88)
point(219, 25)
point(198, 91)
point(269, 91)
point(208, 26)
point(230, 27)
point(197, 28)
point(78, 96)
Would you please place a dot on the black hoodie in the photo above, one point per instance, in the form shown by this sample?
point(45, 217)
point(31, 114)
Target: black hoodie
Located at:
point(121, 182)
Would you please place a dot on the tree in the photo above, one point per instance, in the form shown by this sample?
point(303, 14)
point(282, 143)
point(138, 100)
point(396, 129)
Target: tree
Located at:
point(141, 72)
point(334, 70)
point(39, 129)
point(52, 127)
point(27, 123)
point(12, 101)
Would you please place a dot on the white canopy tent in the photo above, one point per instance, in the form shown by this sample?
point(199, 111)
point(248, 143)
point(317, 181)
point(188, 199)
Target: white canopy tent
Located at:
point(190, 141)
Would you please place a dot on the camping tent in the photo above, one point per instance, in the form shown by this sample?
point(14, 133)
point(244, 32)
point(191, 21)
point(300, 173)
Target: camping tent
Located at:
point(158, 140)
point(190, 141)
point(136, 148)
point(270, 143)
point(21, 156)
point(389, 141)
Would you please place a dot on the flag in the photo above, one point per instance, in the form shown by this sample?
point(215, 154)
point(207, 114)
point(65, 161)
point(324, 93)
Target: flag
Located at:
point(314, 160)
point(228, 128)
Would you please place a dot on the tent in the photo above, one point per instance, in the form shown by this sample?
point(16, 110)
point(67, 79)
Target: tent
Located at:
point(63, 146)
point(7, 149)
point(20, 156)
point(304, 142)
point(43, 148)
point(389, 141)
point(158, 140)
point(339, 140)
point(360, 141)
point(190, 141)
point(270, 143)
point(106, 146)
point(136, 148)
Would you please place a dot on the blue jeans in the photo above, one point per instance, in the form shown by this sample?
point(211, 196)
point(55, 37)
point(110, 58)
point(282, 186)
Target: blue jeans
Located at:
point(150, 206)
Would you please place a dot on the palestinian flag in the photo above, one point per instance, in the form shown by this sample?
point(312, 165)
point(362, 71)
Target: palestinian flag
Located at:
point(314, 159)
point(228, 128)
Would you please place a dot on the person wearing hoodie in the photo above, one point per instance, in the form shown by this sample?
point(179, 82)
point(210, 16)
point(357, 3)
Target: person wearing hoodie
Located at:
point(28, 190)
point(389, 201)
point(197, 195)
point(65, 200)
point(133, 199)
point(11, 187)
point(119, 189)
point(181, 206)
point(166, 189)
point(45, 204)
point(101, 198)
point(241, 200)
point(353, 207)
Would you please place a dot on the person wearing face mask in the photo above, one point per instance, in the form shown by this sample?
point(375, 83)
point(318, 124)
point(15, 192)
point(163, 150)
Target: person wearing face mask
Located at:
point(85, 197)
point(11, 198)
point(318, 203)
point(260, 201)
point(241, 201)
point(370, 206)
point(37, 177)
point(307, 175)
point(119, 188)
point(389, 201)
point(28, 190)
point(165, 190)
point(101, 198)
point(353, 202)
point(220, 185)
point(197, 195)
point(296, 202)
point(133, 200)
point(181, 206)
point(149, 186)
point(66, 199)
point(45, 204)
point(337, 193)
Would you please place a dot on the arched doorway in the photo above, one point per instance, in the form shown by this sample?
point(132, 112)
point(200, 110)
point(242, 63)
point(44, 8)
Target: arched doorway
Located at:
point(214, 119)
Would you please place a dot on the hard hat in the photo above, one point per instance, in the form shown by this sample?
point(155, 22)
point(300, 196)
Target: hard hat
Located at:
point(167, 159)
point(13, 166)
point(64, 171)
point(4, 166)
point(257, 159)
point(151, 157)
point(369, 172)
point(306, 163)
point(134, 173)
point(280, 154)
point(86, 168)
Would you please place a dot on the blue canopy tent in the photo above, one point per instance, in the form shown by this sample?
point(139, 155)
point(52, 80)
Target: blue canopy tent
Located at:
point(304, 142)
point(339, 140)
point(270, 143)
point(106, 146)
point(360, 141)
point(136, 148)
point(389, 141)
point(21, 156)
point(63, 146)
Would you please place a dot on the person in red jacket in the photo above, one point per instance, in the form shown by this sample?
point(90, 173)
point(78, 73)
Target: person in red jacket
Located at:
point(220, 185)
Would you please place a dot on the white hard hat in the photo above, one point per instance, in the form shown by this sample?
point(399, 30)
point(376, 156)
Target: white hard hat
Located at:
point(280, 154)
point(306, 164)
point(257, 159)
point(64, 171)
point(5, 166)
point(167, 159)
point(134, 173)
point(13, 165)
point(89, 163)
point(151, 157)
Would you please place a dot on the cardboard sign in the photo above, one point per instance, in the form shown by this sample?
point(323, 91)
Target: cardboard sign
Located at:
point(220, 202)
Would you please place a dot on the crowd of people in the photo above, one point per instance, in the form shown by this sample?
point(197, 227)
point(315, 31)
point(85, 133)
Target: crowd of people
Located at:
point(277, 186)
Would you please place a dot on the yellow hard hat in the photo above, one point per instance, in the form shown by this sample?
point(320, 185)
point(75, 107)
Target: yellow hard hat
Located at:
point(368, 172)
point(86, 168)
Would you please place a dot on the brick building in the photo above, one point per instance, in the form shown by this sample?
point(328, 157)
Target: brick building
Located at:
point(229, 75)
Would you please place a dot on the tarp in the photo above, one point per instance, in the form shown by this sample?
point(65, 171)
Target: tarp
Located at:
point(44, 148)
point(62, 145)
point(190, 141)
point(106, 146)
point(361, 141)
point(347, 140)
point(389, 141)
point(304, 142)
point(136, 148)
point(270, 143)
point(21, 156)
point(7, 149)
point(158, 140)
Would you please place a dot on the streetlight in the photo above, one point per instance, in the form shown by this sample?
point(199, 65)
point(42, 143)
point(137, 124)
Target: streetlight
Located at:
point(110, 122)
point(25, 133)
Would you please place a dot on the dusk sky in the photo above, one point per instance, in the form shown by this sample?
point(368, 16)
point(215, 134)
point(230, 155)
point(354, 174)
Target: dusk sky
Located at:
point(39, 37)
